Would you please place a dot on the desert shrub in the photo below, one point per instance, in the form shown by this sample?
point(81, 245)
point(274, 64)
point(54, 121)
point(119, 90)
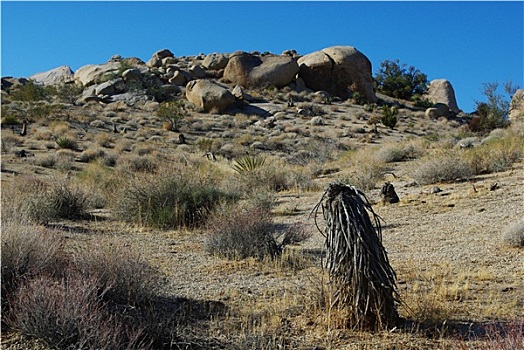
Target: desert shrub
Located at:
point(443, 167)
point(41, 202)
point(138, 163)
point(9, 142)
point(239, 232)
point(170, 202)
point(397, 152)
point(121, 273)
point(172, 112)
point(399, 81)
point(513, 234)
point(27, 251)
point(496, 154)
point(248, 164)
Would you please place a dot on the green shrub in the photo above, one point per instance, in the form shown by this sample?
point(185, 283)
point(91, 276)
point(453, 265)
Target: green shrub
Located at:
point(443, 167)
point(493, 113)
point(389, 116)
point(399, 81)
point(170, 202)
point(173, 112)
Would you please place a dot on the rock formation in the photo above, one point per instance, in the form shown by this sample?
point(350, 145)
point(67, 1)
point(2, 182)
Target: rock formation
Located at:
point(250, 70)
point(441, 91)
point(339, 70)
point(62, 74)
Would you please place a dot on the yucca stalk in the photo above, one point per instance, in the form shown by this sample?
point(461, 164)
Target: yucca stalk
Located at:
point(357, 262)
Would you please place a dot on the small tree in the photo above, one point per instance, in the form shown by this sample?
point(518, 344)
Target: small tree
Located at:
point(494, 113)
point(172, 112)
point(399, 81)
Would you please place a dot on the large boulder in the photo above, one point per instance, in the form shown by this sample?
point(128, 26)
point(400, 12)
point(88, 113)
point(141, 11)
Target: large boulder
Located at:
point(339, 70)
point(251, 70)
point(209, 95)
point(110, 87)
point(516, 111)
point(349, 72)
point(55, 76)
point(159, 57)
point(92, 73)
point(215, 61)
point(441, 91)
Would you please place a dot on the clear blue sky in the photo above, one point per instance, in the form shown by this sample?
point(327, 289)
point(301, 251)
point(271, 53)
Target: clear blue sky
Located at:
point(468, 43)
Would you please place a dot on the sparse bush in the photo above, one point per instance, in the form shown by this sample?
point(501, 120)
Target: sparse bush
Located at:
point(396, 152)
point(121, 273)
point(236, 232)
point(169, 202)
point(513, 234)
point(27, 251)
point(65, 314)
point(172, 112)
point(443, 167)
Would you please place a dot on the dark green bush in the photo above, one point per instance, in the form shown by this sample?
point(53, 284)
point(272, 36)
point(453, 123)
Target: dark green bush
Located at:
point(399, 81)
point(389, 116)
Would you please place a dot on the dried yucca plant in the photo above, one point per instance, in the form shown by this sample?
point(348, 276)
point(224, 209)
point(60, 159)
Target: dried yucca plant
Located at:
point(357, 262)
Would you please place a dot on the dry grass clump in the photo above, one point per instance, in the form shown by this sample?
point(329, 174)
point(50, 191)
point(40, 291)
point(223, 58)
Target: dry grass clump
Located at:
point(497, 154)
point(171, 202)
point(442, 167)
point(513, 234)
point(398, 152)
point(138, 164)
point(366, 169)
point(41, 202)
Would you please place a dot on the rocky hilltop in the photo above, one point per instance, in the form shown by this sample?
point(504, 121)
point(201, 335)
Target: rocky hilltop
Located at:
point(336, 72)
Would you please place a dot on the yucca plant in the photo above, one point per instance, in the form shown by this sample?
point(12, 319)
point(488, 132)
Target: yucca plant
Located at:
point(248, 164)
point(66, 142)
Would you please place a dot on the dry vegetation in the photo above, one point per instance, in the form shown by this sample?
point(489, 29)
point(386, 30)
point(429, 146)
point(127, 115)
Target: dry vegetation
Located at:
point(135, 241)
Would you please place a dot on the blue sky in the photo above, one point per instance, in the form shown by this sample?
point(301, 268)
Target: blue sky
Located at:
point(468, 43)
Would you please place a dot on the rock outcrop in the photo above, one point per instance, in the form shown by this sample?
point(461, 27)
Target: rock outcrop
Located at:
point(441, 91)
point(209, 95)
point(58, 75)
point(92, 73)
point(339, 70)
point(250, 70)
point(517, 106)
